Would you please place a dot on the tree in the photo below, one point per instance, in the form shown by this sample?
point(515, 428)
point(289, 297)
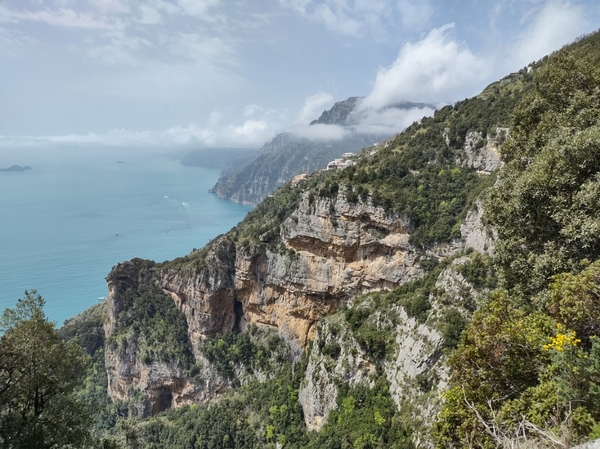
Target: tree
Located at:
point(546, 207)
point(38, 373)
point(525, 371)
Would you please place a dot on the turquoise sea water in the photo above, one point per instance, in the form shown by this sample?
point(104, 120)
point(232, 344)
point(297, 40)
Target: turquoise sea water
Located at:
point(67, 222)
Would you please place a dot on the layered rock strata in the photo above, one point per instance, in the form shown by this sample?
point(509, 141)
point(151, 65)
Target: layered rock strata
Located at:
point(332, 251)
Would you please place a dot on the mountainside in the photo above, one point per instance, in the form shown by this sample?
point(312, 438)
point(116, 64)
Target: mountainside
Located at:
point(442, 291)
point(308, 251)
point(288, 155)
point(339, 112)
point(279, 161)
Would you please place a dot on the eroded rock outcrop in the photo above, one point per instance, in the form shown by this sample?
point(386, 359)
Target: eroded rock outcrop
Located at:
point(330, 252)
point(413, 359)
point(153, 385)
point(483, 153)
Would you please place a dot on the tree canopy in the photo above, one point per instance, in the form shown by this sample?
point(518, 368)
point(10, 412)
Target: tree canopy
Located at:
point(38, 373)
point(527, 365)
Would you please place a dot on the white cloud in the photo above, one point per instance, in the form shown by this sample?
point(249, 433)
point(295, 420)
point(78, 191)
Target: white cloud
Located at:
point(61, 17)
point(434, 69)
point(250, 127)
point(362, 17)
point(313, 106)
point(320, 132)
point(387, 121)
point(252, 133)
point(557, 23)
point(197, 7)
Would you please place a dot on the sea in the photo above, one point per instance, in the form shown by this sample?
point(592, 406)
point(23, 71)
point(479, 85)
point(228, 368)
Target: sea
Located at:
point(80, 211)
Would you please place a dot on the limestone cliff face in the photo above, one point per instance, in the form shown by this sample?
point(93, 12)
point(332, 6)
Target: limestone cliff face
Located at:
point(335, 251)
point(282, 158)
point(324, 373)
point(483, 154)
point(415, 368)
point(154, 385)
point(332, 251)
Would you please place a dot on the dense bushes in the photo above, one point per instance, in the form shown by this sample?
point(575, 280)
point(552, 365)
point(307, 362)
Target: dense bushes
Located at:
point(261, 225)
point(151, 317)
point(365, 418)
point(252, 350)
point(527, 364)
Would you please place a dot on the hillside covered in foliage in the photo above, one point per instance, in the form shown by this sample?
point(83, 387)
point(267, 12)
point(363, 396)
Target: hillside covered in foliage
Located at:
point(510, 333)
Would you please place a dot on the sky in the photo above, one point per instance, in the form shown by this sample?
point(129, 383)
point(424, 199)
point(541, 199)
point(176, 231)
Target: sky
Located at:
point(225, 73)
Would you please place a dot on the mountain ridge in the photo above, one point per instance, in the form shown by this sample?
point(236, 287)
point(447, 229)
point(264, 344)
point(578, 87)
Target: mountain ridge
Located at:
point(376, 271)
point(288, 155)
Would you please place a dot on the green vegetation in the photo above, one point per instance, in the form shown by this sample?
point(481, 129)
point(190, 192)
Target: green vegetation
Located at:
point(150, 319)
point(365, 418)
point(527, 365)
point(252, 350)
point(38, 376)
point(86, 330)
point(372, 317)
point(479, 271)
point(419, 174)
point(258, 414)
point(261, 225)
point(546, 208)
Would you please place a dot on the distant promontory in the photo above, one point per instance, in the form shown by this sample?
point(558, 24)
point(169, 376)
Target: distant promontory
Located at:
point(16, 168)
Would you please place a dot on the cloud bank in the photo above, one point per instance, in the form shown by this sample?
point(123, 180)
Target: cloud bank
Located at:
point(313, 106)
point(121, 66)
point(249, 133)
point(435, 69)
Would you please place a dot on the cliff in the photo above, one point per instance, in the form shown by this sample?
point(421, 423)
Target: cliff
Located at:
point(288, 155)
point(358, 303)
point(301, 255)
point(339, 113)
point(279, 160)
point(330, 252)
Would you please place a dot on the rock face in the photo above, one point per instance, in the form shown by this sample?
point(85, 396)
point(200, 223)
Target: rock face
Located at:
point(329, 251)
point(279, 160)
point(339, 113)
point(332, 251)
point(319, 389)
point(483, 154)
point(156, 385)
point(415, 369)
point(289, 155)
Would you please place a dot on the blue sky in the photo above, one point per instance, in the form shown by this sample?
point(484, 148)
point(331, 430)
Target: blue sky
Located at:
point(167, 73)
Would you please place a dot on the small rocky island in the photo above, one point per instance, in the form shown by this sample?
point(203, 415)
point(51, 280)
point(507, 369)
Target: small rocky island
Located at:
point(16, 168)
